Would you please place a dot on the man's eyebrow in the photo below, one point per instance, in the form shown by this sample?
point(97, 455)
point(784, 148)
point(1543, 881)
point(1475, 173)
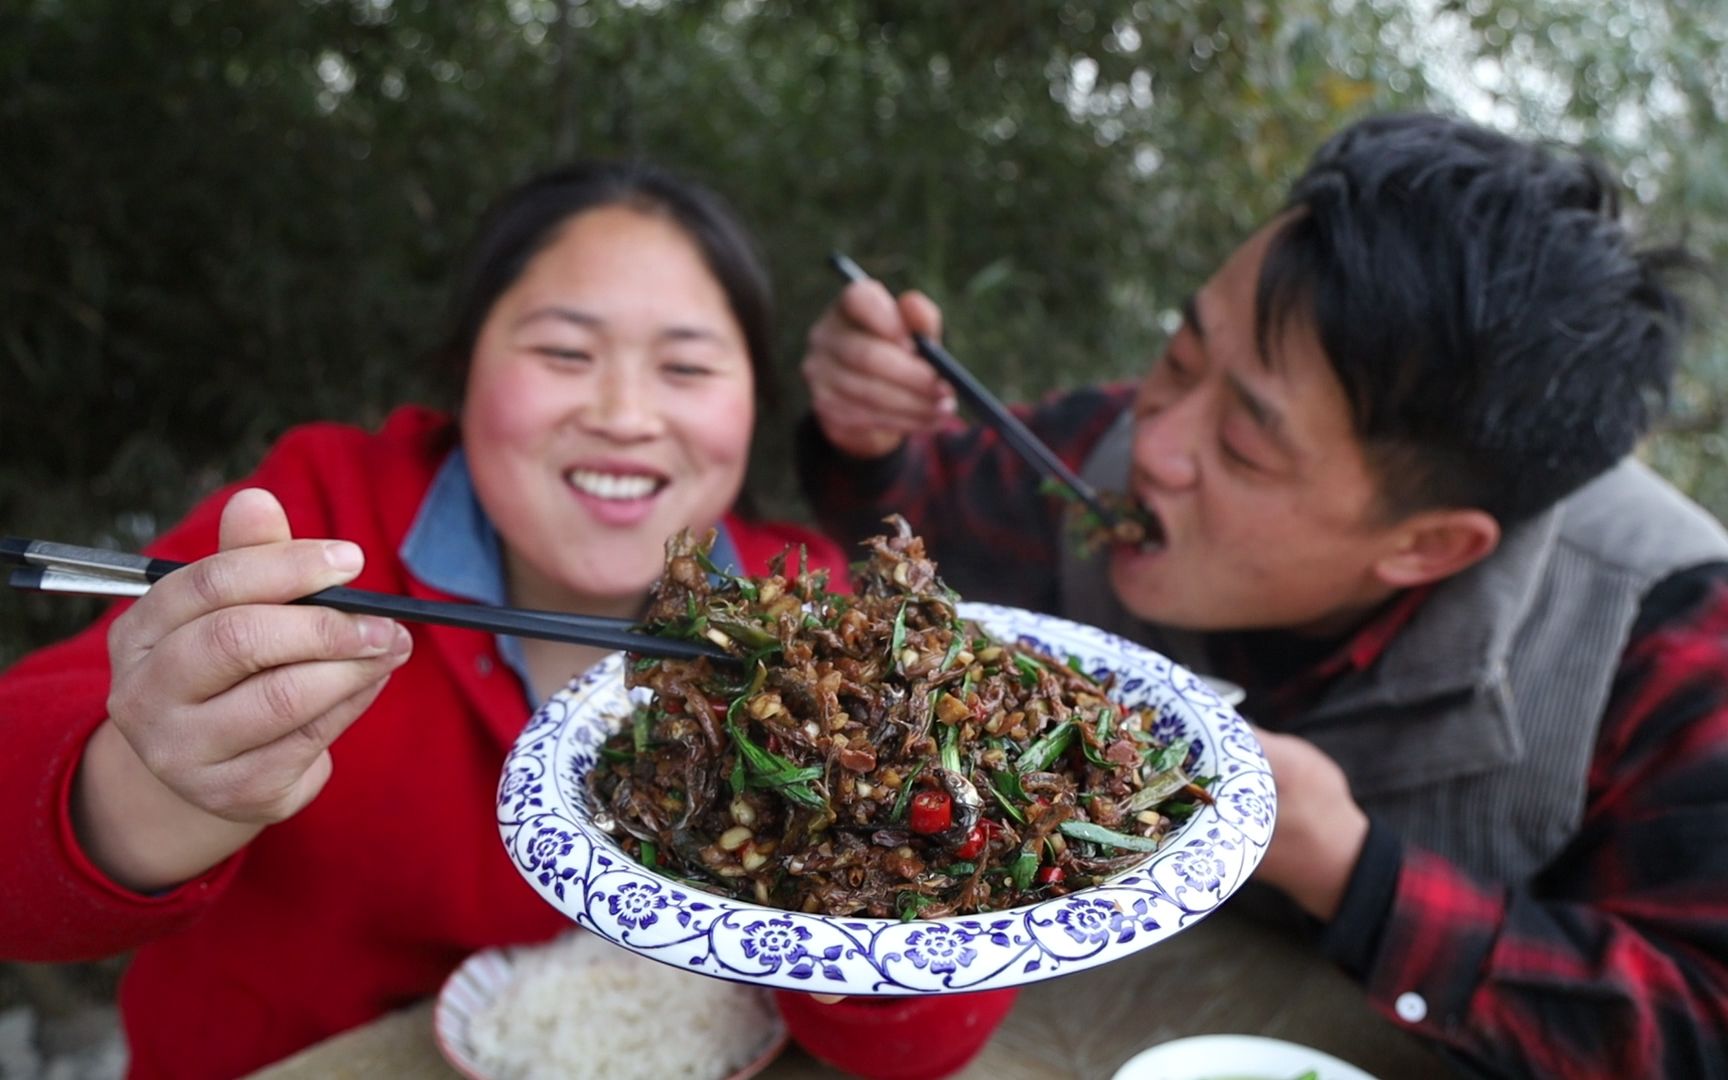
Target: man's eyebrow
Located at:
point(1266, 415)
point(1191, 316)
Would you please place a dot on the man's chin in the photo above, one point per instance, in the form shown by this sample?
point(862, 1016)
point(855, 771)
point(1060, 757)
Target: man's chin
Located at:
point(1142, 587)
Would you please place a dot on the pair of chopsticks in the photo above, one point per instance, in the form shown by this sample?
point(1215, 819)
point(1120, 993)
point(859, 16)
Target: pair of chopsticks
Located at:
point(991, 410)
point(45, 566)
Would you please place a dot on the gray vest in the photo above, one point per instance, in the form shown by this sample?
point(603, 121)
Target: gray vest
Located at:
point(1472, 734)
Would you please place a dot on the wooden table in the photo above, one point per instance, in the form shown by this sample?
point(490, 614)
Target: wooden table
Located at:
point(1228, 974)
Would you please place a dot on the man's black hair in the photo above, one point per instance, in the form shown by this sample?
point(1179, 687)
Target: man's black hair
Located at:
point(1498, 336)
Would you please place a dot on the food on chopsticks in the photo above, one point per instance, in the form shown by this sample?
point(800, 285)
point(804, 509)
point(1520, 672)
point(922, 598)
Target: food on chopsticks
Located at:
point(1131, 524)
point(875, 754)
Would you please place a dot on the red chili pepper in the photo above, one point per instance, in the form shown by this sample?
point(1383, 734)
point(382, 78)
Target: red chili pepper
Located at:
point(975, 840)
point(1050, 875)
point(932, 812)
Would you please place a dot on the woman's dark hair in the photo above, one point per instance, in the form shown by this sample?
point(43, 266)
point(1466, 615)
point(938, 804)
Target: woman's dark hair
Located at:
point(521, 223)
point(1499, 338)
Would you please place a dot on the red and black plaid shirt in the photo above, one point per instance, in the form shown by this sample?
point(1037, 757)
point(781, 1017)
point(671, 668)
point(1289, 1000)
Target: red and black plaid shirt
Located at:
point(1611, 962)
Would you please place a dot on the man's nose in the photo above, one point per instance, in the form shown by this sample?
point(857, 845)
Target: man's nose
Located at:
point(1164, 442)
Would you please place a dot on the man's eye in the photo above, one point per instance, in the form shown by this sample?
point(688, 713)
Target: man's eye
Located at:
point(1177, 370)
point(1236, 456)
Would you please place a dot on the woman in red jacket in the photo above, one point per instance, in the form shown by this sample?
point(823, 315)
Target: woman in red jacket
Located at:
point(287, 810)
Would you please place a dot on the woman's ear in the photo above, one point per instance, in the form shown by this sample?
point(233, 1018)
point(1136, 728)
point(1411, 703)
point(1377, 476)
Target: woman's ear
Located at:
point(1435, 544)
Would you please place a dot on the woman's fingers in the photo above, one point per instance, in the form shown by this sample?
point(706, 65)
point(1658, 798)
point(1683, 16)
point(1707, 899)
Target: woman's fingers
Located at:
point(252, 516)
point(240, 755)
point(229, 694)
point(240, 710)
point(220, 650)
point(273, 573)
point(271, 782)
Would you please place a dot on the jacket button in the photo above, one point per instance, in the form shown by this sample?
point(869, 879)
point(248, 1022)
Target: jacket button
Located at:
point(483, 665)
point(1410, 1007)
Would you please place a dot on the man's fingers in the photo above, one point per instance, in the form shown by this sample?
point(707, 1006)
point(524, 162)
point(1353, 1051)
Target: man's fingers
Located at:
point(837, 347)
point(907, 404)
point(920, 314)
point(869, 307)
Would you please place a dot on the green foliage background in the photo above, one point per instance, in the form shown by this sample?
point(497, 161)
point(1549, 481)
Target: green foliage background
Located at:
point(223, 218)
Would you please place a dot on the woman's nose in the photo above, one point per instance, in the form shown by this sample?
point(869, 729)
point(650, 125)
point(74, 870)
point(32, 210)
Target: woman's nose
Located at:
point(1164, 442)
point(622, 407)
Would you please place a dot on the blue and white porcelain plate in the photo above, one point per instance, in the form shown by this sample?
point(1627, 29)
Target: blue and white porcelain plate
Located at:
point(545, 817)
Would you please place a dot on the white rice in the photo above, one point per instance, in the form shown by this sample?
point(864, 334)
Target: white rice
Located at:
point(583, 1007)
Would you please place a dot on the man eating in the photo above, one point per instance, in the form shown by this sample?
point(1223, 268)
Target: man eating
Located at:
point(1387, 467)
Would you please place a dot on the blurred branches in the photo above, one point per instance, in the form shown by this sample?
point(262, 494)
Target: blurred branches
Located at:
point(222, 219)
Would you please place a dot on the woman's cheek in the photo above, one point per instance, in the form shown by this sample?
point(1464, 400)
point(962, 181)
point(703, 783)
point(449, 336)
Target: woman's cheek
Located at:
point(730, 433)
point(510, 404)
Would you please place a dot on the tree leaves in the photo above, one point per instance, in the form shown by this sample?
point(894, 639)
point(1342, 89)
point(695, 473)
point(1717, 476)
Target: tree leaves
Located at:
point(226, 219)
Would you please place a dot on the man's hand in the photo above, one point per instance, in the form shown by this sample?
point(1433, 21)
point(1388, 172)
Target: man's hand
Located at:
point(1320, 828)
point(868, 386)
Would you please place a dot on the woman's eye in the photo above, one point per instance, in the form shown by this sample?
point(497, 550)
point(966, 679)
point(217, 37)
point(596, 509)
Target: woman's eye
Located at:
point(686, 370)
point(566, 354)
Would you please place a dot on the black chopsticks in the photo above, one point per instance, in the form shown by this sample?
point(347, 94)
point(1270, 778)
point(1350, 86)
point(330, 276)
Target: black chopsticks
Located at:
point(46, 566)
point(991, 410)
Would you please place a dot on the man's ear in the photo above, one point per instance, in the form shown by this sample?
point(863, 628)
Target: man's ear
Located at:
point(1435, 544)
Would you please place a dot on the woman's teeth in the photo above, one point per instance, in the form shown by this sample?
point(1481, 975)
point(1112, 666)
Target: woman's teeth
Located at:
point(611, 485)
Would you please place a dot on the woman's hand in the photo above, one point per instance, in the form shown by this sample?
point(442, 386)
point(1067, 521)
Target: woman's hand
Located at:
point(1320, 828)
point(868, 387)
point(224, 700)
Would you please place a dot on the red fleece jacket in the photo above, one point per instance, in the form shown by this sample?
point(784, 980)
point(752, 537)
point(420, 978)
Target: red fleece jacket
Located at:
point(362, 902)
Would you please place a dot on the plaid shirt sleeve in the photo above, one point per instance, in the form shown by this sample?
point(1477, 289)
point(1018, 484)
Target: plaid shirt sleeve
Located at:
point(1613, 961)
point(977, 504)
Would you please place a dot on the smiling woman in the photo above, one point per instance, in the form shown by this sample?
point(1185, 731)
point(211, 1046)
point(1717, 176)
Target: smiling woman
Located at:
point(612, 389)
point(255, 794)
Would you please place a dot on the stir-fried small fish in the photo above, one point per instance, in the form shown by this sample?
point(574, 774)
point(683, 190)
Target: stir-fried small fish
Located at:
point(878, 755)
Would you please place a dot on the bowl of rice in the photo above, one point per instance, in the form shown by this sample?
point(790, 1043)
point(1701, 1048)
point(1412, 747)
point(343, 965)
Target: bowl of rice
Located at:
point(580, 1006)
